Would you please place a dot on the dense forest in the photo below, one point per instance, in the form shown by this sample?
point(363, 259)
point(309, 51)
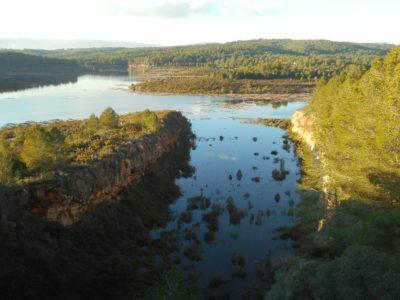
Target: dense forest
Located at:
point(245, 67)
point(254, 59)
point(21, 71)
point(19, 63)
point(350, 250)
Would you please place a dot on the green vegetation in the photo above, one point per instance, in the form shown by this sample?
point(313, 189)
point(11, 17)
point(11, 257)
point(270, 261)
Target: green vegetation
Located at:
point(355, 255)
point(20, 63)
point(108, 119)
point(19, 71)
point(242, 67)
point(42, 150)
point(37, 149)
point(209, 85)
point(254, 59)
point(351, 249)
point(358, 131)
point(7, 163)
point(248, 67)
point(280, 123)
point(173, 287)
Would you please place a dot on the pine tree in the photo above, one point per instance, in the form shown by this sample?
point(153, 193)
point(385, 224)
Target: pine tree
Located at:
point(43, 150)
point(109, 119)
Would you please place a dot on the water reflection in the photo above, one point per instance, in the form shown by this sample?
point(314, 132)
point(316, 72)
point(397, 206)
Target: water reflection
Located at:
point(243, 187)
point(232, 205)
point(22, 82)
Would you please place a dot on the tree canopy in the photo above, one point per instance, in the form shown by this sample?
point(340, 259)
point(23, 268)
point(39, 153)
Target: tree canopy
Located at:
point(358, 129)
point(254, 59)
point(108, 119)
point(42, 150)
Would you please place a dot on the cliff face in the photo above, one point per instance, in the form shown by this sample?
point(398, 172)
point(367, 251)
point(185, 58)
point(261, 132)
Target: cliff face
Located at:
point(69, 194)
point(301, 126)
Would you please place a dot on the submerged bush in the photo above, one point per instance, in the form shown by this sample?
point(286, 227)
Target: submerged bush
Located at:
point(239, 272)
point(235, 215)
point(280, 175)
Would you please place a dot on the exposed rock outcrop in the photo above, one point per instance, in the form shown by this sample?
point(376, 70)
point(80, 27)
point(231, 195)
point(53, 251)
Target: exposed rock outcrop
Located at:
point(69, 194)
point(301, 129)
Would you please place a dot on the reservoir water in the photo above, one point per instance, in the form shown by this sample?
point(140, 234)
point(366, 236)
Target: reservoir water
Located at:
point(229, 210)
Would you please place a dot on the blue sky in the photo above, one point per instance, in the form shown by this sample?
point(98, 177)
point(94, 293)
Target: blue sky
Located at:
point(172, 22)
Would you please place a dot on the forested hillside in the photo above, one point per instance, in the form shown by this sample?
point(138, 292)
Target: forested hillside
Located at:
point(255, 59)
point(358, 130)
point(21, 71)
point(350, 250)
point(19, 63)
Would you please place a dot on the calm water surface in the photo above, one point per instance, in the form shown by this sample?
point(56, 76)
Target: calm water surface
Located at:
point(224, 145)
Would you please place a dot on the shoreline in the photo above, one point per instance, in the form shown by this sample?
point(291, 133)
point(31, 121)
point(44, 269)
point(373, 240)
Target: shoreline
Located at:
point(240, 98)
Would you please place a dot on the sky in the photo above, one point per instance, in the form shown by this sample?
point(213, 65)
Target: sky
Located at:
point(178, 22)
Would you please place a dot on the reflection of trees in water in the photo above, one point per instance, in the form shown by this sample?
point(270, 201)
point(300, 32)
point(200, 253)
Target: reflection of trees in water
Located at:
point(26, 81)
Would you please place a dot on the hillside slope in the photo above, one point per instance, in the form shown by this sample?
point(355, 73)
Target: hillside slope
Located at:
point(348, 246)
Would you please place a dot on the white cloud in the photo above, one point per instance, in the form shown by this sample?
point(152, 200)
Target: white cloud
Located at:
point(159, 8)
point(188, 8)
point(250, 7)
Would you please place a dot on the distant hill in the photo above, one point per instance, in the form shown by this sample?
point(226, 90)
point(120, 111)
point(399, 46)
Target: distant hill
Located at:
point(254, 59)
point(52, 44)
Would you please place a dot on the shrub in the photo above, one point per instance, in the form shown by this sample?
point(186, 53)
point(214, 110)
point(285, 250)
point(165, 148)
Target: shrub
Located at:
point(147, 120)
point(43, 150)
point(109, 119)
point(360, 273)
point(92, 124)
point(6, 163)
point(151, 120)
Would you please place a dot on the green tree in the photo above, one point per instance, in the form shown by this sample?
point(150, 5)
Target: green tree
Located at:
point(92, 124)
point(6, 163)
point(358, 130)
point(150, 120)
point(43, 150)
point(109, 119)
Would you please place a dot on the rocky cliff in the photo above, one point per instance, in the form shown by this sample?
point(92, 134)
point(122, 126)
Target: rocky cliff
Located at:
point(69, 194)
point(302, 123)
point(301, 127)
